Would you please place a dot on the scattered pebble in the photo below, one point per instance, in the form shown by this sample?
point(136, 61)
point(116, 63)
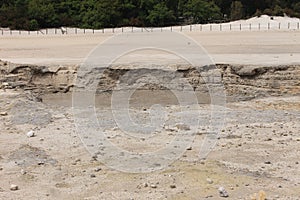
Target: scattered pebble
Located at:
point(189, 148)
point(209, 181)
point(145, 185)
point(93, 176)
point(268, 163)
point(173, 186)
point(3, 113)
point(153, 186)
point(30, 134)
point(14, 187)
point(23, 172)
point(98, 169)
point(223, 192)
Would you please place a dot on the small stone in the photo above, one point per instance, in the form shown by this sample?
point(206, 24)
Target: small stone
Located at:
point(98, 169)
point(14, 187)
point(189, 148)
point(41, 162)
point(209, 181)
point(153, 186)
point(145, 185)
point(23, 172)
point(3, 113)
point(30, 134)
point(93, 176)
point(223, 192)
point(173, 186)
point(268, 163)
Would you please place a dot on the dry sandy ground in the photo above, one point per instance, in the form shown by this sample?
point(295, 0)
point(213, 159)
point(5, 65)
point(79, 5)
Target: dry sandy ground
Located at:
point(258, 148)
point(265, 47)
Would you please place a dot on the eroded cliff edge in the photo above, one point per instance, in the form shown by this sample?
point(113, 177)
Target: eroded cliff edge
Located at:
point(241, 82)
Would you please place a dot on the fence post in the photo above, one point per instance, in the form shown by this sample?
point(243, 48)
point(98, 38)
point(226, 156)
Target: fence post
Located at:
point(55, 31)
point(191, 28)
point(210, 27)
point(76, 31)
point(240, 27)
point(250, 27)
point(161, 29)
point(289, 25)
point(28, 32)
point(10, 32)
point(171, 29)
point(220, 27)
point(268, 26)
point(113, 30)
point(19, 32)
point(279, 26)
point(93, 31)
point(298, 25)
point(230, 26)
point(132, 29)
point(200, 27)
point(2, 31)
point(180, 28)
point(258, 26)
point(122, 29)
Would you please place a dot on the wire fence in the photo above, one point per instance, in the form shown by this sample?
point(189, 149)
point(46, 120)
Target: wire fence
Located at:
point(188, 28)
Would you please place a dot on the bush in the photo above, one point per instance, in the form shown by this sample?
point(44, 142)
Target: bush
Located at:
point(33, 25)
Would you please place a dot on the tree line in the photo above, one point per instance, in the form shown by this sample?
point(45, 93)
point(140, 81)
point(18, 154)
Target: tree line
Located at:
point(36, 14)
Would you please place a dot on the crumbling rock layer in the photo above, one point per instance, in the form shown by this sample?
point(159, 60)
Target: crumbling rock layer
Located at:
point(240, 82)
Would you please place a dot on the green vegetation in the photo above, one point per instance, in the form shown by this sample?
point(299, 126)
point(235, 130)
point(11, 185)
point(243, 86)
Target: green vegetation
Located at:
point(36, 14)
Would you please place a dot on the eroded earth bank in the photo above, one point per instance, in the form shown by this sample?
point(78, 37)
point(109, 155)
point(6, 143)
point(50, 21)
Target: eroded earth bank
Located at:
point(257, 150)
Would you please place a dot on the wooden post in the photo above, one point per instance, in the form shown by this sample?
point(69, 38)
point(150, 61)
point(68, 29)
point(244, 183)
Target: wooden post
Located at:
point(161, 30)
point(181, 28)
point(19, 32)
point(10, 32)
point(191, 28)
point(93, 31)
point(2, 31)
point(46, 31)
point(289, 25)
point(298, 25)
point(258, 26)
point(55, 31)
point(200, 27)
point(230, 26)
point(84, 31)
point(240, 27)
point(279, 26)
point(210, 27)
point(132, 29)
point(268, 26)
point(220, 27)
point(171, 29)
point(122, 29)
point(113, 30)
point(103, 30)
point(250, 27)
point(76, 31)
